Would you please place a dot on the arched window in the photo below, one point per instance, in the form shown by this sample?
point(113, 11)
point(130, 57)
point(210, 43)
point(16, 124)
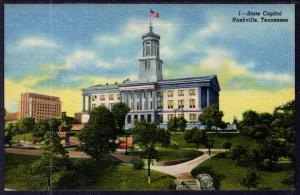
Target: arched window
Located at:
point(148, 48)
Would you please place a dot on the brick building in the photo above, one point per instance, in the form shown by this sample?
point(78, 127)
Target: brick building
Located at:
point(39, 106)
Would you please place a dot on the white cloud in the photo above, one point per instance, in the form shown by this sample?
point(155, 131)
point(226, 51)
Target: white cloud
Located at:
point(37, 42)
point(79, 58)
point(135, 28)
point(211, 29)
point(276, 77)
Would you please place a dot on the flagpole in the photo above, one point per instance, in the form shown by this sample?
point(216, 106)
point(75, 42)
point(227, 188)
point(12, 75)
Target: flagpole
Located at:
point(150, 22)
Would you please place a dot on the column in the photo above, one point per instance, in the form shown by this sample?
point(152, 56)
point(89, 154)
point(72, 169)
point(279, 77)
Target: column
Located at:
point(90, 102)
point(154, 103)
point(83, 103)
point(147, 100)
point(207, 96)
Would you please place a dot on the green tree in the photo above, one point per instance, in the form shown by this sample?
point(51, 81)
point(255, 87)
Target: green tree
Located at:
point(8, 133)
point(177, 124)
point(26, 125)
point(209, 144)
point(256, 125)
point(254, 156)
point(196, 136)
point(227, 145)
point(149, 136)
point(119, 111)
point(236, 153)
point(97, 139)
point(41, 128)
point(211, 117)
point(172, 124)
point(54, 161)
point(250, 179)
point(188, 135)
point(181, 123)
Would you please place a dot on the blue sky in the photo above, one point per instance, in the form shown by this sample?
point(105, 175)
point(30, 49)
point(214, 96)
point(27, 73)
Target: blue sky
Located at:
point(73, 46)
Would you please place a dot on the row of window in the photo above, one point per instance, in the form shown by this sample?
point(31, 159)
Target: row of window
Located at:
point(142, 118)
point(180, 92)
point(192, 117)
point(181, 103)
point(102, 97)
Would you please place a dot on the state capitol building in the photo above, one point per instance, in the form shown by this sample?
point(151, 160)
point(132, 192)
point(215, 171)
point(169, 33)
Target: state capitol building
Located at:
point(152, 98)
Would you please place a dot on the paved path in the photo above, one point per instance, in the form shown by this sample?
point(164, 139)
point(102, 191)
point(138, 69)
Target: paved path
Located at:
point(183, 170)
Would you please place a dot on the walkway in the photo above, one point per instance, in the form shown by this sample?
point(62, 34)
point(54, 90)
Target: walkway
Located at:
point(183, 170)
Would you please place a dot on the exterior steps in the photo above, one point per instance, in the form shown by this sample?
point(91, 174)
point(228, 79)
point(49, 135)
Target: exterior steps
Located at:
point(191, 184)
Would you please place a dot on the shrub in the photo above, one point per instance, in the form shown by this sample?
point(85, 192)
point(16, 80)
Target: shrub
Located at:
point(181, 188)
point(138, 164)
point(208, 170)
point(174, 144)
point(206, 181)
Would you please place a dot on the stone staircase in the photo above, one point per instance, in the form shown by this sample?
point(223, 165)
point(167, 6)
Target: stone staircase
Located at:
point(190, 184)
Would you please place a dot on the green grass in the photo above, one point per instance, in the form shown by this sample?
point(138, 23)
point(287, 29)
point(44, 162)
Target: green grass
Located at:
point(28, 137)
point(230, 175)
point(112, 177)
point(235, 139)
point(16, 173)
point(124, 177)
point(176, 154)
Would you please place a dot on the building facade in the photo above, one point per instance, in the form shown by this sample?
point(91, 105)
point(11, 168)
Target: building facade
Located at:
point(152, 98)
point(12, 116)
point(39, 106)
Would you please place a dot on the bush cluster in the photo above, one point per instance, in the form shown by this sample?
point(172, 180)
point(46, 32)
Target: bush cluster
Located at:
point(138, 164)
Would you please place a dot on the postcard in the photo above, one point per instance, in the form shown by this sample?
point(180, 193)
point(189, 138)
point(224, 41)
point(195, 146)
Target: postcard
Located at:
point(149, 97)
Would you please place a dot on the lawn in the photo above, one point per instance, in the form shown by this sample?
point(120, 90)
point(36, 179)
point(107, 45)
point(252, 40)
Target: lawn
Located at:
point(16, 172)
point(230, 176)
point(175, 154)
point(124, 177)
point(235, 139)
point(28, 137)
point(113, 177)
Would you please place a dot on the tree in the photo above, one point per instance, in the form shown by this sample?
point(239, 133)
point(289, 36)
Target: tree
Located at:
point(149, 136)
point(227, 146)
point(8, 133)
point(195, 136)
point(97, 139)
point(211, 117)
point(181, 123)
point(236, 153)
point(250, 179)
point(177, 124)
point(41, 128)
point(209, 144)
point(26, 125)
point(53, 162)
point(119, 111)
point(254, 156)
point(256, 125)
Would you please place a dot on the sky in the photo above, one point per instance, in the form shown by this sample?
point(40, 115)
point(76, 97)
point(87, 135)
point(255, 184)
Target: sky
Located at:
point(60, 49)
